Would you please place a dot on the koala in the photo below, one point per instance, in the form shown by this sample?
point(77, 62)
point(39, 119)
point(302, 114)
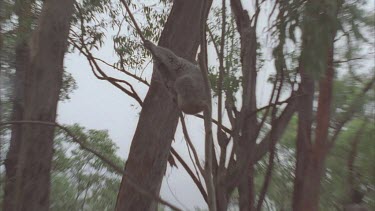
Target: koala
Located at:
point(185, 76)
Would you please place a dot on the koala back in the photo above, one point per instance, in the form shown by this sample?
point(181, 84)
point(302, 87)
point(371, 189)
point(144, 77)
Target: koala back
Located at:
point(191, 97)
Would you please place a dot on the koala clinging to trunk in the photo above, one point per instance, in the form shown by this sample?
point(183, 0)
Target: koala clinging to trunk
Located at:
point(185, 76)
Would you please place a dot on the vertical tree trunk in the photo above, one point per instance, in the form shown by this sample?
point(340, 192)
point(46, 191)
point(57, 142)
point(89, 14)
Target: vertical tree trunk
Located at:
point(42, 85)
point(247, 123)
point(311, 154)
point(1, 75)
point(23, 12)
point(303, 151)
point(151, 144)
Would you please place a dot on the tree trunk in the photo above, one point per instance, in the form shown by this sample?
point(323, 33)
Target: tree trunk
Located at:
point(246, 123)
point(1, 86)
point(151, 144)
point(43, 80)
point(22, 52)
point(23, 12)
point(222, 197)
point(311, 155)
point(246, 190)
point(303, 148)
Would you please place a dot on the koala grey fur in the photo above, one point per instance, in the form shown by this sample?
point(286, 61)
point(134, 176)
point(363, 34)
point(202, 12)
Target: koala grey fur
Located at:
point(185, 76)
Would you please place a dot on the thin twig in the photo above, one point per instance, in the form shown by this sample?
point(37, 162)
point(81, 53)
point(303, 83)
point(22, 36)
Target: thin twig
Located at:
point(193, 161)
point(347, 60)
point(225, 129)
point(124, 71)
point(188, 140)
point(191, 174)
point(272, 148)
point(94, 66)
point(207, 114)
point(133, 20)
point(213, 41)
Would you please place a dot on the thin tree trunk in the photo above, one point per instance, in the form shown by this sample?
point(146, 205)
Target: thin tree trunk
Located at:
point(352, 155)
point(43, 80)
point(151, 144)
point(247, 124)
point(1, 86)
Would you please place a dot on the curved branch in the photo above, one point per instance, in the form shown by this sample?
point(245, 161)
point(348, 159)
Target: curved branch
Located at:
point(94, 65)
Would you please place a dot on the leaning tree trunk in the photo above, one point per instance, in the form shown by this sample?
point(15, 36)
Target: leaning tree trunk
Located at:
point(151, 144)
point(43, 81)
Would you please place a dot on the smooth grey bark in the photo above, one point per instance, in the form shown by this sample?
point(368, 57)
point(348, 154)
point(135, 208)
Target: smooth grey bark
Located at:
point(151, 143)
point(23, 12)
point(43, 80)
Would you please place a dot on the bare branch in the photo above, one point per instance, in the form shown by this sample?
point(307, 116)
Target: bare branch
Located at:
point(133, 20)
point(191, 174)
point(213, 41)
point(94, 66)
point(207, 114)
point(188, 140)
point(278, 129)
point(124, 71)
point(225, 129)
point(347, 60)
point(272, 148)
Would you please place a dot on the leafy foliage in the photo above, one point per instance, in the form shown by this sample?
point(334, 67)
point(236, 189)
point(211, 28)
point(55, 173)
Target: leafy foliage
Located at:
point(80, 180)
point(94, 19)
point(68, 86)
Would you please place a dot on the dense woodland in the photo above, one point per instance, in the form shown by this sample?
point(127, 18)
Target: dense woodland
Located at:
point(305, 142)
